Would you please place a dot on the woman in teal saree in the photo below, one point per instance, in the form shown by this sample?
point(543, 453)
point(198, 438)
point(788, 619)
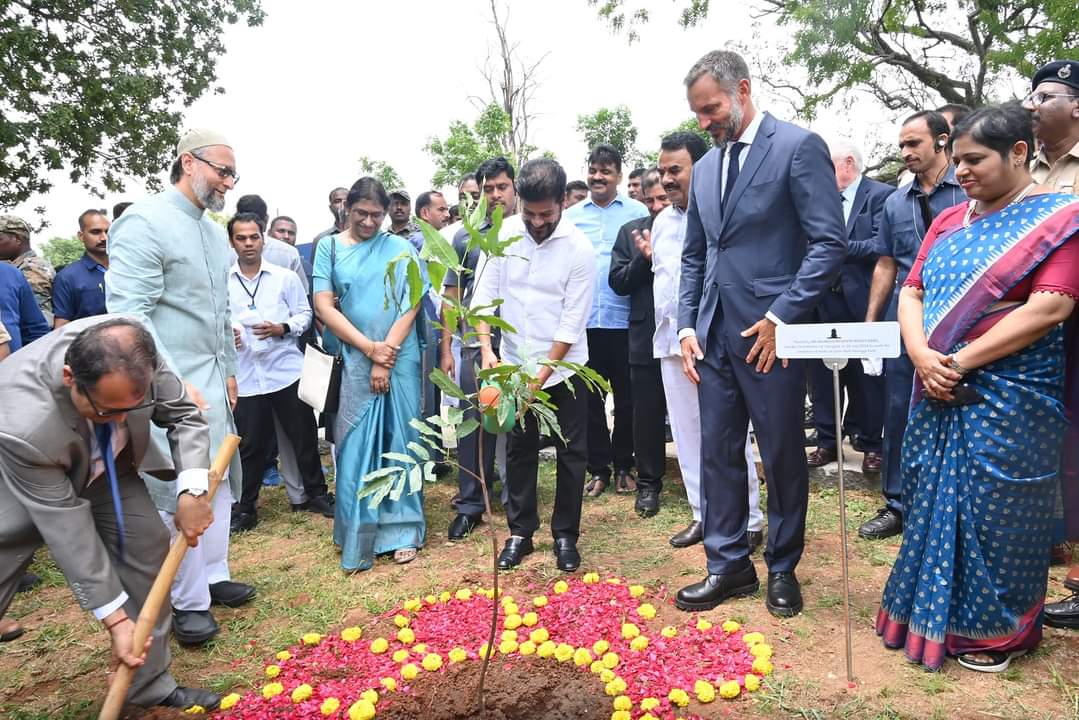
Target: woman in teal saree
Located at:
point(381, 379)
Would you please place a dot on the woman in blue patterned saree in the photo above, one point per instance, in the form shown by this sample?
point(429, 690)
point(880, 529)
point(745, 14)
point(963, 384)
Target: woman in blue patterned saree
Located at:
point(380, 383)
point(982, 315)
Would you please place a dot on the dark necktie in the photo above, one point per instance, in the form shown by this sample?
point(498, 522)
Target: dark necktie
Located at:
point(103, 432)
point(732, 171)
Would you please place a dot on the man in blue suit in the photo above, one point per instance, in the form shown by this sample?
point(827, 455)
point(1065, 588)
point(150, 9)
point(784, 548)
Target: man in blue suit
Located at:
point(863, 203)
point(764, 242)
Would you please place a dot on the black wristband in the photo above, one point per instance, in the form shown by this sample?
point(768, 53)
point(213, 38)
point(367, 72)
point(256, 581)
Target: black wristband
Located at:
point(287, 329)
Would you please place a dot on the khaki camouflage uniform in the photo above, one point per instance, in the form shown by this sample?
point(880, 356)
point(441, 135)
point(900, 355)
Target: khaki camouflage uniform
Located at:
point(39, 273)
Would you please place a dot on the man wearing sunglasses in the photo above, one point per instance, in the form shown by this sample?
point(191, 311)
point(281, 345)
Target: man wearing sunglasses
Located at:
point(168, 265)
point(86, 395)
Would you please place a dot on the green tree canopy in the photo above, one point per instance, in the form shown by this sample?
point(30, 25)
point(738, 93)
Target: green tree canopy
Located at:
point(381, 171)
point(465, 147)
point(62, 250)
point(614, 127)
point(95, 87)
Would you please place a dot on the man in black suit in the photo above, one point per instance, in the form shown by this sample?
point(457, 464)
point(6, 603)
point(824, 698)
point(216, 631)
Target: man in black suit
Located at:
point(863, 204)
point(631, 274)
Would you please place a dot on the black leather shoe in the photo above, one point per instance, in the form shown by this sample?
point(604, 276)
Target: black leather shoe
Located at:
point(624, 482)
point(242, 522)
point(462, 526)
point(565, 555)
point(27, 582)
point(230, 594)
point(821, 457)
point(714, 589)
point(596, 485)
point(884, 524)
point(183, 698)
point(693, 534)
point(193, 627)
point(514, 551)
point(647, 504)
point(784, 595)
point(323, 505)
point(756, 539)
point(1063, 614)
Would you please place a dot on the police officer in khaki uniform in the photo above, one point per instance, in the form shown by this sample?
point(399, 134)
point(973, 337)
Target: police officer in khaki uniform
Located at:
point(15, 248)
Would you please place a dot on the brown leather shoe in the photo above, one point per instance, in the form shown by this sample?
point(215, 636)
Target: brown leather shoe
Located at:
point(821, 457)
point(871, 463)
point(1072, 580)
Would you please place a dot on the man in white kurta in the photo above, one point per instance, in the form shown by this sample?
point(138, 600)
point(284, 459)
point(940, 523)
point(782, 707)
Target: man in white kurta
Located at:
point(168, 263)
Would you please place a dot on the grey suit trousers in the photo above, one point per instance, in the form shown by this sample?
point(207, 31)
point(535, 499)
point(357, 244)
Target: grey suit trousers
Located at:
point(145, 546)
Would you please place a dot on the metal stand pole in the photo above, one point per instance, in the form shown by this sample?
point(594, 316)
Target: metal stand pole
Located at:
point(837, 364)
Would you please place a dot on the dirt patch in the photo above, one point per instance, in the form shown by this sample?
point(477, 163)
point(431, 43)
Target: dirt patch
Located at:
point(515, 690)
point(134, 712)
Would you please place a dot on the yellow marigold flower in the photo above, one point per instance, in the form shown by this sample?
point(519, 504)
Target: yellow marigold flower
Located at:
point(752, 638)
point(273, 671)
point(678, 697)
point(413, 605)
point(638, 643)
point(401, 621)
point(704, 690)
point(511, 608)
point(730, 689)
point(582, 657)
point(301, 693)
point(311, 639)
point(458, 655)
point(620, 715)
point(529, 619)
point(444, 596)
point(605, 675)
point(399, 656)
point(614, 581)
point(615, 687)
point(361, 710)
point(590, 578)
point(546, 649)
point(229, 701)
point(370, 696)
point(509, 635)
point(730, 626)
point(561, 586)
point(540, 601)
point(507, 646)
point(636, 590)
point(539, 635)
point(762, 666)
point(761, 650)
point(486, 652)
point(563, 652)
point(284, 655)
point(648, 716)
point(623, 702)
point(419, 649)
point(389, 683)
point(409, 671)
point(195, 710)
point(329, 706)
point(610, 660)
point(527, 648)
point(600, 646)
point(630, 631)
point(753, 683)
point(463, 594)
point(669, 632)
point(703, 625)
point(596, 666)
point(430, 599)
point(379, 645)
point(649, 703)
point(350, 634)
point(512, 621)
point(647, 611)
point(406, 636)
point(270, 690)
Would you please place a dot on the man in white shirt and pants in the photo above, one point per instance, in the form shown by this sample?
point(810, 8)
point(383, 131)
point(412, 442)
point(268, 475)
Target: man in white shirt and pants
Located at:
point(546, 280)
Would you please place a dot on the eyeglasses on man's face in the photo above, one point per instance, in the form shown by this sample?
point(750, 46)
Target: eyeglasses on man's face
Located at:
point(223, 171)
point(150, 400)
point(1035, 99)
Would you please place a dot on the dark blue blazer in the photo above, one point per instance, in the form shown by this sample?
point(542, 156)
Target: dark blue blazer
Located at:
point(866, 214)
point(781, 244)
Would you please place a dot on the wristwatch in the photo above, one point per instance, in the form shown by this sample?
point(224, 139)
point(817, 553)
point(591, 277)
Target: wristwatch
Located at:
point(953, 365)
point(287, 329)
point(193, 492)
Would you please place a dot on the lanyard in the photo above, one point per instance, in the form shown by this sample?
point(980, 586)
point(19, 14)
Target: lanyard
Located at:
point(250, 293)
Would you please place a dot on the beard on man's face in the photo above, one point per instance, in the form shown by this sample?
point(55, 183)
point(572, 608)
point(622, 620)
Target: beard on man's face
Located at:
point(204, 191)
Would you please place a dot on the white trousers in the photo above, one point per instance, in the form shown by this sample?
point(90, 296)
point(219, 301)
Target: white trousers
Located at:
point(684, 411)
point(206, 563)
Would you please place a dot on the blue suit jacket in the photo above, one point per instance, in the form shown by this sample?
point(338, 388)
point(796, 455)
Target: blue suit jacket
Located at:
point(780, 245)
point(866, 214)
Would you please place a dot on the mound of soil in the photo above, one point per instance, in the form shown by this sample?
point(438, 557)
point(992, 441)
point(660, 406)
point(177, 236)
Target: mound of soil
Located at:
point(515, 690)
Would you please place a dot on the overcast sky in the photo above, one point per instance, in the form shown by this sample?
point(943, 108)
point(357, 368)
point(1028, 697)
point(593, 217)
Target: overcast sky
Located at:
point(321, 83)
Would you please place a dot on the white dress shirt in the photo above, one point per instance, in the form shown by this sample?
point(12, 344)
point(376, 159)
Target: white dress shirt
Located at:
point(668, 234)
point(547, 291)
point(266, 366)
point(848, 197)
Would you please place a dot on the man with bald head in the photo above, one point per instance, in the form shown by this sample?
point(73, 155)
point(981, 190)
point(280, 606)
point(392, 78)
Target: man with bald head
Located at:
point(169, 264)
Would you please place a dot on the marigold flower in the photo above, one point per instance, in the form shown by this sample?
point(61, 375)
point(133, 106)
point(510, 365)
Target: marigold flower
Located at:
point(413, 605)
point(669, 632)
point(444, 596)
point(582, 657)
point(600, 646)
point(527, 648)
point(349, 634)
point(704, 690)
point(512, 621)
point(311, 639)
point(539, 635)
point(614, 581)
point(649, 703)
point(753, 683)
point(615, 687)
point(273, 671)
point(590, 578)
point(648, 716)
point(761, 650)
point(546, 649)
point(409, 671)
point(630, 631)
point(284, 655)
point(730, 626)
point(730, 689)
point(605, 675)
point(486, 652)
point(273, 689)
point(401, 621)
point(647, 611)
point(419, 649)
point(509, 635)
point(406, 635)
point(463, 594)
point(563, 652)
point(507, 647)
point(430, 599)
point(620, 715)
point(195, 710)
point(458, 655)
point(529, 619)
point(762, 666)
point(361, 710)
point(540, 601)
point(329, 706)
point(370, 696)
point(561, 586)
point(752, 638)
point(229, 701)
point(380, 645)
point(703, 625)
point(678, 697)
point(610, 660)
point(301, 693)
point(596, 667)
point(389, 683)
point(399, 656)
point(638, 643)
point(510, 608)
point(636, 590)
point(623, 702)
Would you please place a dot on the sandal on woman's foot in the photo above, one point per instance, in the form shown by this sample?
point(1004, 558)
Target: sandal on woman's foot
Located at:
point(989, 661)
point(404, 555)
point(596, 485)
